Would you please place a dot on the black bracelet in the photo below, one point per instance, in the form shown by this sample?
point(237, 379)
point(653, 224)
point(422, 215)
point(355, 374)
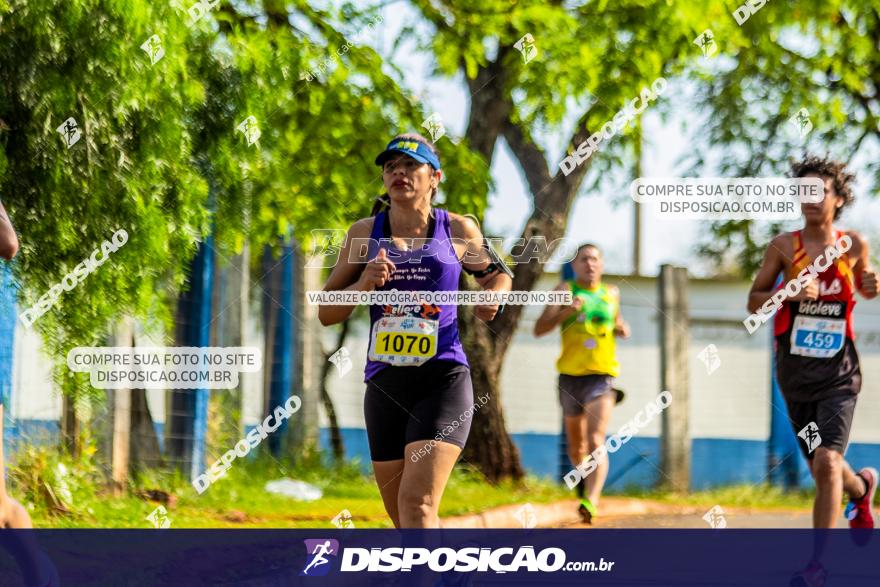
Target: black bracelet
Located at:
point(489, 270)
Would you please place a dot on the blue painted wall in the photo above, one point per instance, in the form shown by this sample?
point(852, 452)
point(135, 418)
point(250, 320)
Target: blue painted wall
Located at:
point(188, 417)
point(714, 461)
point(279, 274)
point(8, 318)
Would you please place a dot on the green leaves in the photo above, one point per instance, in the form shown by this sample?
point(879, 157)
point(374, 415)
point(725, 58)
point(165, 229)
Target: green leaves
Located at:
point(159, 154)
point(817, 56)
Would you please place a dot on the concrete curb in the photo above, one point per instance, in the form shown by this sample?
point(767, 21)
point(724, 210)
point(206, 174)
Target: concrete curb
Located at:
point(546, 515)
point(564, 513)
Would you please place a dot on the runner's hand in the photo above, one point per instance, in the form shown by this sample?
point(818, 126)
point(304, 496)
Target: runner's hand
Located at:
point(486, 313)
point(808, 292)
point(869, 282)
point(577, 303)
point(377, 272)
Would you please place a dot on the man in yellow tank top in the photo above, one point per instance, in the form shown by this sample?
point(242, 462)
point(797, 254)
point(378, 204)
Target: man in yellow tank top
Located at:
point(587, 365)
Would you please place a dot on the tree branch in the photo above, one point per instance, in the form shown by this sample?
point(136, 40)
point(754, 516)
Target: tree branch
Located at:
point(530, 156)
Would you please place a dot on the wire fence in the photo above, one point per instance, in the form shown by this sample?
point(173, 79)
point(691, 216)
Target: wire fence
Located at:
point(730, 392)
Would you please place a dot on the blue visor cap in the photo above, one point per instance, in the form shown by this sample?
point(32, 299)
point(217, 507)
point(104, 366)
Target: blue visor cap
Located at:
point(418, 151)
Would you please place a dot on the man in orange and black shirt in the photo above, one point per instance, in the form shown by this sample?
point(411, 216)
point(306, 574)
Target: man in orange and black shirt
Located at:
point(817, 365)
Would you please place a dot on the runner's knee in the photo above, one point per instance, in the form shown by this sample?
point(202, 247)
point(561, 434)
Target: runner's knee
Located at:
point(827, 463)
point(14, 515)
point(411, 504)
point(595, 440)
point(577, 446)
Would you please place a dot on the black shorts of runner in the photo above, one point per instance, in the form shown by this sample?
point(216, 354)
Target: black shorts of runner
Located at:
point(576, 391)
point(832, 417)
point(408, 404)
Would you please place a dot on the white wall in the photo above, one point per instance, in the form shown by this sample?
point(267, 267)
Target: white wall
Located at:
point(733, 402)
point(33, 392)
point(34, 396)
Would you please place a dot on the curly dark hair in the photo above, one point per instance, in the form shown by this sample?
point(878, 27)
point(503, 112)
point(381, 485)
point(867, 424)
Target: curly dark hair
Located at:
point(826, 167)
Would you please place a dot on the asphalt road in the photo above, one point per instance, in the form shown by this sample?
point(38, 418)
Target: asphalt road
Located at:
point(628, 513)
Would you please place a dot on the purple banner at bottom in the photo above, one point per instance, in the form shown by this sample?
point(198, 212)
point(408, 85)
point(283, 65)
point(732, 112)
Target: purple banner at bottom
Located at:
point(329, 558)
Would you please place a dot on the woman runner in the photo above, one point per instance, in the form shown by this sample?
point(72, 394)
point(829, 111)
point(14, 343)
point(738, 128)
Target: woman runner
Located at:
point(419, 399)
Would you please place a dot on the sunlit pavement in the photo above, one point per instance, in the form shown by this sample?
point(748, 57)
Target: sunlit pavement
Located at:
point(758, 520)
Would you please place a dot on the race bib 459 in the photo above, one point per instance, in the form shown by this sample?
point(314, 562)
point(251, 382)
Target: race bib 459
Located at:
point(817, 337)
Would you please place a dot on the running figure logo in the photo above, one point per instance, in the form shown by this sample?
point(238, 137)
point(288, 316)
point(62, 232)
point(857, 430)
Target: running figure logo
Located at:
point(434, 124)
point(343, 520)
point(317, 561)
point(527, 516)
point(159, 518)
point(70, 131)
point(715, 517)
point(710, 358)
point(248, 127)
point(526, 46)
point(342, 361)
point(153, 48)
point(801, 121)
point(706, 43)
point(810, 434)
point(326, 245)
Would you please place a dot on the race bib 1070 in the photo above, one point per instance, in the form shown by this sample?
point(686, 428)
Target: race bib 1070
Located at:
point(403, 341)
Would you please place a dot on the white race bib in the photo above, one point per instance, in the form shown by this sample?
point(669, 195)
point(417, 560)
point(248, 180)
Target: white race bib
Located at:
point(817, 337)
point(403, 340)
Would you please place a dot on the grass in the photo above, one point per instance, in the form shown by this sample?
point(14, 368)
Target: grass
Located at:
point(71, 498)
point(62, 493)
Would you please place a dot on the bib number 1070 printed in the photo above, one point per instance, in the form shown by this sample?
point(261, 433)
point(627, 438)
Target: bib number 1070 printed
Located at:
point(408, 344)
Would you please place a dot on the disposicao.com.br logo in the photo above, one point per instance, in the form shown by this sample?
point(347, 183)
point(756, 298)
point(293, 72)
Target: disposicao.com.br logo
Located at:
point(440, 560)
point(318, 563)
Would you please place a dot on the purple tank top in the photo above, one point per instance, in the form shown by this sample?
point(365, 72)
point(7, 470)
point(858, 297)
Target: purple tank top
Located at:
point(433, 268)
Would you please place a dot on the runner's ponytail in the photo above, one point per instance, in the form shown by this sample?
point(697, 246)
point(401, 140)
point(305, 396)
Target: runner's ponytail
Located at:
point(381, 202)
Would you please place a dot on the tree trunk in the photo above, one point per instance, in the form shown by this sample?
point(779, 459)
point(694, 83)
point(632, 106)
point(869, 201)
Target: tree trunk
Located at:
point(489, 447)
point(69, 426)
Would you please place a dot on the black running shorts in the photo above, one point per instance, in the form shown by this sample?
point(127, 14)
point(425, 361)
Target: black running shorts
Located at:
point(832, 417)
point(434, 401)
point(576, 391)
